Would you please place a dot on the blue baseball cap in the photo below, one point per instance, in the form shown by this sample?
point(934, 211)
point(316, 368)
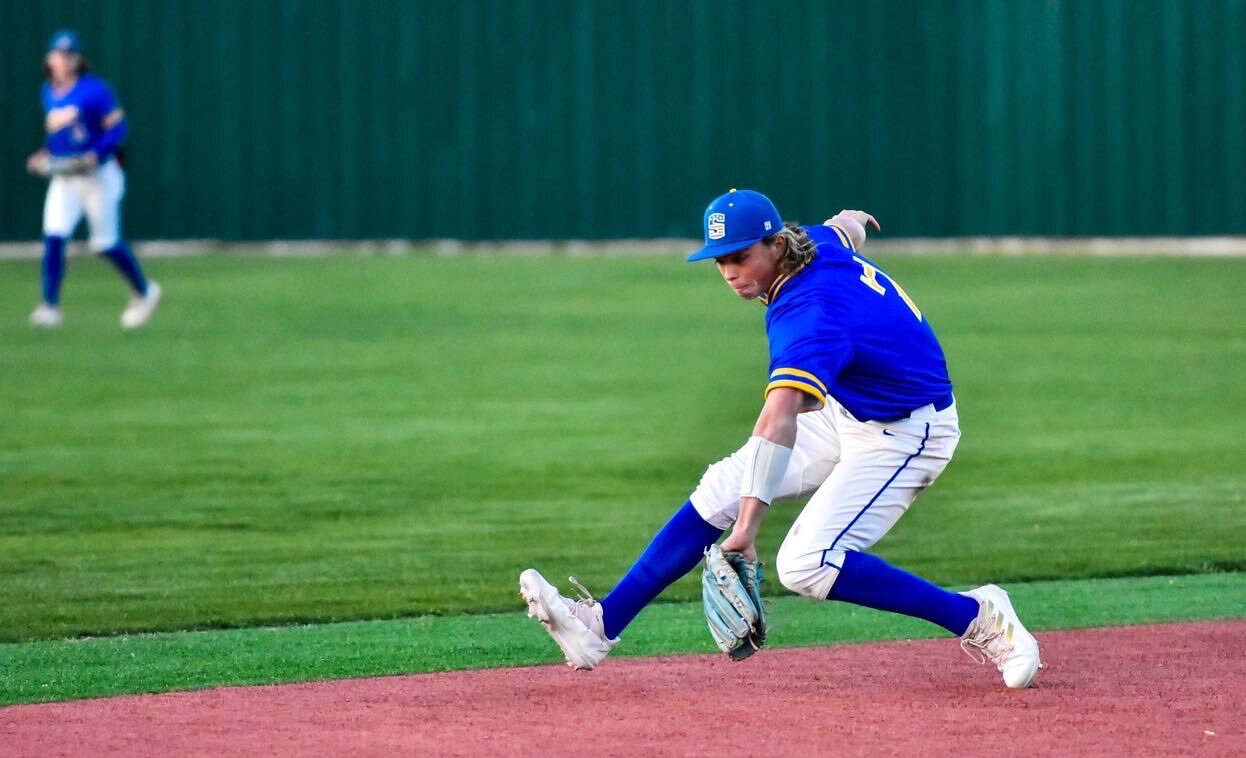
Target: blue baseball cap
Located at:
point(736, 220)
point(65, 41)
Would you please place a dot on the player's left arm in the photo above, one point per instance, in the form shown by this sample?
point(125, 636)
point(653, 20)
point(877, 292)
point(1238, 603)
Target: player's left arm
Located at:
point(855, 224)
point(113, 126)
point(765, 460)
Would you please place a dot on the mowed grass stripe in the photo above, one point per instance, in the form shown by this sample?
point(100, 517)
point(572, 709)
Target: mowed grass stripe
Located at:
point(63, 670)
point(322, 440)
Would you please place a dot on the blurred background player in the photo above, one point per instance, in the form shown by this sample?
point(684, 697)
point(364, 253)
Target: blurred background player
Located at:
point(858, 413)
point(86, 127)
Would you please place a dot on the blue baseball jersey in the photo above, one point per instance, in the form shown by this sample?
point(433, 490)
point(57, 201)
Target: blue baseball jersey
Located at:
point(85, 117)
point(841, 327)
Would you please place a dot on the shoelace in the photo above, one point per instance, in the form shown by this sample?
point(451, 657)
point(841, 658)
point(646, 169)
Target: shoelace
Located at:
point(980, 648)
point(583, 604)
point(585, 597)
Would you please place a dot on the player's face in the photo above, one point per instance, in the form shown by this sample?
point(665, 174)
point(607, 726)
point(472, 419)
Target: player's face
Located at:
point(64, 66)
point(751, 271)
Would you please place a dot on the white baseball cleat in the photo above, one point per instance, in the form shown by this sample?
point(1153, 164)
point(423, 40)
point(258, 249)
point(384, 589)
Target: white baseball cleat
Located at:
point(997, 634)
point(141, 307)
point(46, 316)
point(576, 625)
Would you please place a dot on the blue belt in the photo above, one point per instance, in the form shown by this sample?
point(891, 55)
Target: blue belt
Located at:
point(945, 402)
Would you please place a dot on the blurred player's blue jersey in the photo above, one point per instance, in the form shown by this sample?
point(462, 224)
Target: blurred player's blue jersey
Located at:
point(87, 117)
point(841, 327)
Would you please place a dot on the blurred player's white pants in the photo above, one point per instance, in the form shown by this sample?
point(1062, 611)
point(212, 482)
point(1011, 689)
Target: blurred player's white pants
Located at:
point(98, 194)
point(863, 476)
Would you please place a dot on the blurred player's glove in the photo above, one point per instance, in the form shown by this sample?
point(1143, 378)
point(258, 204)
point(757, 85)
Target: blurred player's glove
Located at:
point(731, 595)
point(70, 166)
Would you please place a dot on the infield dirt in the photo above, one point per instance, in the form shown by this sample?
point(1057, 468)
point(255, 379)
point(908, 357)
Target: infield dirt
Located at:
point(1144, 690)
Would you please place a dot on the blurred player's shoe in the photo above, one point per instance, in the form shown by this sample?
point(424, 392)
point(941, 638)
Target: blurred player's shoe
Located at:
point(997, 635)
point(46, 316)
point(141, 307)
point(576, 625)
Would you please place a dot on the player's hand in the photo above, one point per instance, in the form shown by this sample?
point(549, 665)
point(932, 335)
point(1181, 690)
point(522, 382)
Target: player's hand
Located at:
point(861, 217)
point(90, 161)
point(740, 543)
point(37, 162)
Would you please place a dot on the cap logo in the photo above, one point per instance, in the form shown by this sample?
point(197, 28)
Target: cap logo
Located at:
point(767, 226)
point(716, 226)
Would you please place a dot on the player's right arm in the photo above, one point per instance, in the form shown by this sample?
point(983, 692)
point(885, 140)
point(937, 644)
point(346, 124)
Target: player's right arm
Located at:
point(766, 457)
point(36, 162)
point(807, 341)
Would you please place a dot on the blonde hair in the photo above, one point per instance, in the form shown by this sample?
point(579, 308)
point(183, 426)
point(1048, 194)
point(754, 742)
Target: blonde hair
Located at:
point(800, 249)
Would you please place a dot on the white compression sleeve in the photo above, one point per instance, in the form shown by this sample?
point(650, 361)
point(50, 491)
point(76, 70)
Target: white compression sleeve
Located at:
point(764, 465)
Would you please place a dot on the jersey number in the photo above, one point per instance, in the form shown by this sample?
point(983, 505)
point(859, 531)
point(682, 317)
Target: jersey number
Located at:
point(870, 278)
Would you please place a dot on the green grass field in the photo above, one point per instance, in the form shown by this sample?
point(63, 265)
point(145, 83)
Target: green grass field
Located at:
point(335, 439)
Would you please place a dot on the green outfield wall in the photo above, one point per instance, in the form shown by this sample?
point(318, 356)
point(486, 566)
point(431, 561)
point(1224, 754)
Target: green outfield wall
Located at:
point(484, 119)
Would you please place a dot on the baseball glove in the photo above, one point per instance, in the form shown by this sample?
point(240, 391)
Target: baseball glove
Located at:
point(76, 165)
point(731, 596)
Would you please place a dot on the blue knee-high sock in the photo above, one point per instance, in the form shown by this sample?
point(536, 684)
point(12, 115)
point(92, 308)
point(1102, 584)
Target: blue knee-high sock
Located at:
point(872, 582)
point(123, 258)
point(675, 549)
point(53, 269)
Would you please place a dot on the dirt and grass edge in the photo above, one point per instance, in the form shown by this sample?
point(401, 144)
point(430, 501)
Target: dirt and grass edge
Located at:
point(57, 670)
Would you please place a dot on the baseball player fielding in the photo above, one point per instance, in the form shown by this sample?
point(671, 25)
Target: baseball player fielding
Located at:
point(858, 414)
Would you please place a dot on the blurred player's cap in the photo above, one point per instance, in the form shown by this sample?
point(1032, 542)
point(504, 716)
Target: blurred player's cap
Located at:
point(65, 41)
point(735, 221)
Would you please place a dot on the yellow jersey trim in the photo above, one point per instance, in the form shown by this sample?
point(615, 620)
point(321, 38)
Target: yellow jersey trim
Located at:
point(815, 381)
point(805, 388)
point(777, 285)
point(844, 236)
point(774, 288)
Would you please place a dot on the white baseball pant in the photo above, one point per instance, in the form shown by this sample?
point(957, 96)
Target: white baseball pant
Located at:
point(98, 194)
point(863, 476)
